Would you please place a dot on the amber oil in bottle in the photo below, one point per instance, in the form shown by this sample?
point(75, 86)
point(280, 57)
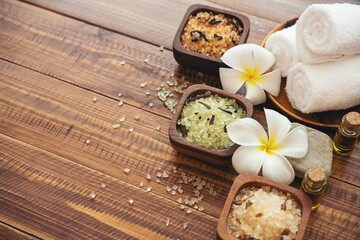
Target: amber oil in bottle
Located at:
point(313, 184)
point(347, 134)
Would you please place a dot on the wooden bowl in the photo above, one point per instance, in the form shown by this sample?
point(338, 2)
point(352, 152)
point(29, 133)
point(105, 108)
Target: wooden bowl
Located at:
point(201, 62)
point(218, 157)
point(248, 180)
point(327, 119)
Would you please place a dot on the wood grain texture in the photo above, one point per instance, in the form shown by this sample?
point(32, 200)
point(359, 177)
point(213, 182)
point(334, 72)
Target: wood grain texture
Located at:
point(49, 196)
point(9, 233)
point(155, 22)
point(55, 116)
point(55, 56)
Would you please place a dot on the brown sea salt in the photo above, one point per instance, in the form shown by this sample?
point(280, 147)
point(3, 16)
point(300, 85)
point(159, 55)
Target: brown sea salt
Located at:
point(264, 213)
point(211, 34)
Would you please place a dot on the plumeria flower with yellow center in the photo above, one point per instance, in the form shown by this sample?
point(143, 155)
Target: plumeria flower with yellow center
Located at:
point(248, 64)
point(267, 151)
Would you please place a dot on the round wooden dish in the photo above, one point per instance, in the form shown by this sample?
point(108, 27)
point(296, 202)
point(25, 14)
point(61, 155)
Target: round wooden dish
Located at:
point(250, 180)
point(218, 157)
point(327, 119)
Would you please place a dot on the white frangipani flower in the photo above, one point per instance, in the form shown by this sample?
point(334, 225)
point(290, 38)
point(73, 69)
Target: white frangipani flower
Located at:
point(260, 150)
point(248, 64)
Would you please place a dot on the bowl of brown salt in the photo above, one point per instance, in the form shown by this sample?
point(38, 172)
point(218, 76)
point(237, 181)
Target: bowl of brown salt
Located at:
point(258, 208)
point(204, 35)
point(198, 128)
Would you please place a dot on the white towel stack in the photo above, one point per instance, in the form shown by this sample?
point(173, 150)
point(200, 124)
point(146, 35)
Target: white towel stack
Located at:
point(327, 32)
point(283, 45)
point(327, 76)
point(323, 87)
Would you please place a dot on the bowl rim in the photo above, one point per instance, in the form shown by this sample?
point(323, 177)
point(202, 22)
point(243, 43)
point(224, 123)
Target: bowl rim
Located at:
point(247, 179)
point(201, 7)
point(198, 88)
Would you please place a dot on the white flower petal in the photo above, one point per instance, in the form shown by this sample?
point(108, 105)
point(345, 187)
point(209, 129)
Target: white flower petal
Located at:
point(278, 125)
point(264, 59)
point(271, 82)
point(246, 131)
point(255, 93)
point(248, 159)
point(294, 144)
point(278, 169)
point(239, 57)
point(231, 79)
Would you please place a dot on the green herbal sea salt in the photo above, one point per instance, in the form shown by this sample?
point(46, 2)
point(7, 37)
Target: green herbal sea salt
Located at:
point(204, 118)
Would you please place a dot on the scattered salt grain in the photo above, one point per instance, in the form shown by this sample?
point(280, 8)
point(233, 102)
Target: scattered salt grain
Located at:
point(143, 84)
point(122, 118)
point(116, 125)
point(126, 170)
point(131, 202)
point(141, 184)
point(148, 176)
point(149, 189)
point(131, 129)
point(120, 103)
point(122, 62)
point(92, 195)
point(87, 141)
point(185, 225)
point(161, 48)
point(167, 223)
point(103, 185)
point(94, 99)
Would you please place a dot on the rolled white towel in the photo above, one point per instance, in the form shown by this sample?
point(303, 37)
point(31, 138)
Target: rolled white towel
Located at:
point(325, 86)
point(328, 32)
point(283, 45)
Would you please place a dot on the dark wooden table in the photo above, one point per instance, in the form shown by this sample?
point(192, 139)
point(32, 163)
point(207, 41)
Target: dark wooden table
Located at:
point(62, 161)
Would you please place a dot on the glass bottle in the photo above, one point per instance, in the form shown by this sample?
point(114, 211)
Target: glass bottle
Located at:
point(313, 184)
point(347, 134)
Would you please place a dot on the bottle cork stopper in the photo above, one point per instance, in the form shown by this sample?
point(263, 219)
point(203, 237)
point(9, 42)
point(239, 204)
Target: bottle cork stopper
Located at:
point(353, 119)
point(316, 175)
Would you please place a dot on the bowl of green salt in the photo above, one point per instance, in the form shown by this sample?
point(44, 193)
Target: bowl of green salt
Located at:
point(198, 128)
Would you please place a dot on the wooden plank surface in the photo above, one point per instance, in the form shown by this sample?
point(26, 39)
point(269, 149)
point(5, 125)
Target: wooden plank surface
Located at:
point(55, 57)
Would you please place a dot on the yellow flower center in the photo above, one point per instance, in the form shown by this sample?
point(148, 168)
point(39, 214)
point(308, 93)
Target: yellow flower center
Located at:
point(268, 146)
point(252, 75)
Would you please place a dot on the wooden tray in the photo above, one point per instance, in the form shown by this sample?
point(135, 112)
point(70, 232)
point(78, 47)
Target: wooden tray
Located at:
point(249, 180)
point(327, 119)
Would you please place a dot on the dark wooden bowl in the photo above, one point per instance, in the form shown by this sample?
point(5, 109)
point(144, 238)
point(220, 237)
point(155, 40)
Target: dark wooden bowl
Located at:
point(201, 62)
point(247, 180)
point(327, 119)
point(218, 157)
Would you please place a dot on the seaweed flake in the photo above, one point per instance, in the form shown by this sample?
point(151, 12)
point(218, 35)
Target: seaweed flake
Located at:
point(248, 204)
point(196, 35)
point(207, 106)
point(227, 111)
point(183, 130)
point(191, 99)
point(225, 129)
point(212, 120)
point(218, 37)
point(213, 22)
